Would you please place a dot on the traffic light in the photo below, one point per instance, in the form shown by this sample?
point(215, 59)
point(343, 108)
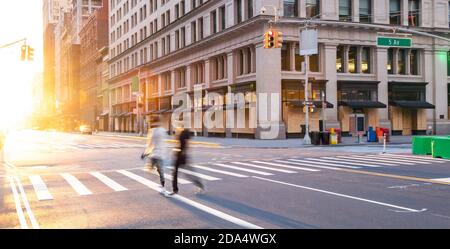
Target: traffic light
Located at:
point(30, 55)
point(269, 39)
point(278, 39)
point(23, 53)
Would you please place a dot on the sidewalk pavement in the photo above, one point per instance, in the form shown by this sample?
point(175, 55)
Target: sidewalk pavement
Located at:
point(396, 141)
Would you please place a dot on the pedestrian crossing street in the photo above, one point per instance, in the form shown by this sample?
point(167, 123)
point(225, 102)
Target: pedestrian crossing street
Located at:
point(114, 180)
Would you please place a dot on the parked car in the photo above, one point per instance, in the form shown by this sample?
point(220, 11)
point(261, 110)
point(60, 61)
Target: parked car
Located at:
point(86, 129)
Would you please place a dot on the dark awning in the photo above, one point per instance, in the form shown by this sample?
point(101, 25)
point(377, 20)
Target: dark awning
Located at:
point(412, 104)
point(362, 104)
point(351, 85)
point(317, 104)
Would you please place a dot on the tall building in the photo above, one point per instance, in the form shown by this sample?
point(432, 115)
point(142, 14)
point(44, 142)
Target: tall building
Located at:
point(188, 46)
point(93, 37)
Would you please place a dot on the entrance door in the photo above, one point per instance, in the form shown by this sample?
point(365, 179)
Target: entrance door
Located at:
point(357, 124)
point(407, 122)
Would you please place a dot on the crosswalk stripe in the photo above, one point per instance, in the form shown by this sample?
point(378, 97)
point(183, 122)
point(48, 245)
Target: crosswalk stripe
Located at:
point(358, 165)
point(309, 160)
point(108, 182)
point(287, 166)
point(202, 176)
point(246, 170)
point(353, 162)
point(442, 179)
point(306, 164)
point(369, 160)
point(40, 188)
point(267, 168)
point(76, 184)
point(168, 177)
point(219, 171)
point(366, 158)
point(426, 159)
point(400, 160)
point(376, 158)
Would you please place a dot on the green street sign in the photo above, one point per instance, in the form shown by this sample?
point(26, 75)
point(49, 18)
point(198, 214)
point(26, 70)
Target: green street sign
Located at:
point(394, 42)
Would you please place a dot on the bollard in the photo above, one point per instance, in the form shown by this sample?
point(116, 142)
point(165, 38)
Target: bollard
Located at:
point(384, 144)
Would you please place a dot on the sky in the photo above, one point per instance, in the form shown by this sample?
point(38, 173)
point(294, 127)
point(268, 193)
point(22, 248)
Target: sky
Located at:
point(19, 19)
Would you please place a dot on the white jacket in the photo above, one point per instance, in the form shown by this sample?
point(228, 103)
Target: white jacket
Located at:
point(156, 144)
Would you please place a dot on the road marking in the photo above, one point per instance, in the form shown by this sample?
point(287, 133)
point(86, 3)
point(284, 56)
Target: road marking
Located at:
point(108, 182)
point(40, 188)
point(33, 221)
point(354, 162)
point(442, 179)
point(398, 160)
point(358, 165)
point(242, 169)
point(19, 211)
point(306, 164)
point(377, 159)
point(202, 176)
point(438, 160)
point(367, 159)
point(76, 185)
point(263, 167)
point(167, 176)
point(287, 166)
point(308, 160)
point(219, 171)
point(342, 195)
point(192, 203)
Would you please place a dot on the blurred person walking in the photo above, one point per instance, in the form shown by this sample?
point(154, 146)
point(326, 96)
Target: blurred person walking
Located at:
point(184, 135)
point(156, 150)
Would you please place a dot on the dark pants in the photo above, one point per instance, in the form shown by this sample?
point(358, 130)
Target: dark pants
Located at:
point(181, 162)
point(159, 167)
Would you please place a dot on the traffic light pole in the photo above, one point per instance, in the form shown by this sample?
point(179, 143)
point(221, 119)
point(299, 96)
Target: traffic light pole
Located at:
point(13, 43)
point(307, 139)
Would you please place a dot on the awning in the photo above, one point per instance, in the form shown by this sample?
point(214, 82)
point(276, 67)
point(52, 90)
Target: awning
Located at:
point(412, 104)
point(317, 104)
point(362, 104)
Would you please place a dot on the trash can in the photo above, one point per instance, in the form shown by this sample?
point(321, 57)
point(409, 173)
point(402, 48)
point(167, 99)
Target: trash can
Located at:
point(334, 139)
point(338, 133)
point(315, 138)
point(325, 138)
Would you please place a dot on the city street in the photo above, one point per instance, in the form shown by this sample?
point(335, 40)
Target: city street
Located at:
point(61, 180)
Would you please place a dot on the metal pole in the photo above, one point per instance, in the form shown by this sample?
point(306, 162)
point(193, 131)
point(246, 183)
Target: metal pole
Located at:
point(307, 139)
point(324, 107)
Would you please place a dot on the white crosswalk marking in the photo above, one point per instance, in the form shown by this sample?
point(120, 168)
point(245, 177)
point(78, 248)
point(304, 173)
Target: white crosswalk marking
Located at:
point(76, 185)
point(202, 176)
point(423, 158)
point(263, 167)
point(168, 177)
point(412, 159)
point(242, 169)
point(292, 161)
point(377, 159)
point(442, 179)
point(287, 166)
point(398, 159)
point(312, 161)
point(358, 165)
point(352, 162)
point(219, 171)
point(108, 182)
point(384, 163)
point(40, 188)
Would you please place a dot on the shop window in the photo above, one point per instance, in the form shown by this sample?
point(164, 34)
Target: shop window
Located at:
point(365, 60)
point(345, 10)
point(290, 8)
point(390, 62)
point(406, 92)
point(365, 11)
point(352, 60)
point(357, 95)
point(394, 12)
point(414, 62)
point(340, 52)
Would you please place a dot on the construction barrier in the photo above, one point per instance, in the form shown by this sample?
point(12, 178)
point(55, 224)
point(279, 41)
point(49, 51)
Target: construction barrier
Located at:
point(440, 147)
point(421, 145)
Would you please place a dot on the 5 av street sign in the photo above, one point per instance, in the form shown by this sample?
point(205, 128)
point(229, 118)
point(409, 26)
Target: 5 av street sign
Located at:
point(394, 42)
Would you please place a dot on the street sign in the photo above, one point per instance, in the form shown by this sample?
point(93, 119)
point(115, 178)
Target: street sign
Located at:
point(394, 42)
point(308, 42)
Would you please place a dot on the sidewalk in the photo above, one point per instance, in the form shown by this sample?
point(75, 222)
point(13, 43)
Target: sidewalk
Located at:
point(402, 141)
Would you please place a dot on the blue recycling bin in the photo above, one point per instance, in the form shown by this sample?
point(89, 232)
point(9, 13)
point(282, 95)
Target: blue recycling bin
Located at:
point(371, 135)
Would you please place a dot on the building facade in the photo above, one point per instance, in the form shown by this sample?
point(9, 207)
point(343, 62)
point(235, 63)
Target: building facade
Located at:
point(189, 46)
point(93, 37)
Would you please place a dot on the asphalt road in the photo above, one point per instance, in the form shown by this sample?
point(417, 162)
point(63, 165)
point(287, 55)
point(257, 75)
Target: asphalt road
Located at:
point(56, 180)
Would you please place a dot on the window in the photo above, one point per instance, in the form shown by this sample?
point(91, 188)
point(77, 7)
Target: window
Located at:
point(365, 11)
point(353, 94)
point(365, 60)
point(200, 28)
point(312, 8)
point(394, 12)
point(299, 59)
point(352, 60)
point(213, 22)
point(285, 59)
point(414, 62)
point(193, 32)
point(345, 10)
point(401, 66)
point(250, 8)
point(414, 12)
point(222, 18)
point(406, 92)
point(238, 10)
point(448, 94)
point(290, 8)
point(340, 54)
point(448, 63)
point(390, 63)
point(314, 65)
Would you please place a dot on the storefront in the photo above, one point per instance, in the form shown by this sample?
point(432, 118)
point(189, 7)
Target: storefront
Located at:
point(294, 108)
point(215, 112)
point(407, 108)
point(243, 127)
point(358, 106)
point(104, 121)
